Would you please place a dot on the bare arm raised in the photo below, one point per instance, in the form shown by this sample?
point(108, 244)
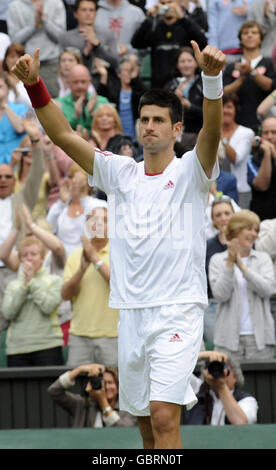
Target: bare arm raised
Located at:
point(52, 119)
point(211, 60)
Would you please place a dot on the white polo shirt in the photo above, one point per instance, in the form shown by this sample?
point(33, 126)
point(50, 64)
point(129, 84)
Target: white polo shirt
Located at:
point(156, 230)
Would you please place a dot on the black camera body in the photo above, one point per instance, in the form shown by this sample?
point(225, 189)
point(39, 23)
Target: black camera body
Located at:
point(96, 381)
point(215, 368)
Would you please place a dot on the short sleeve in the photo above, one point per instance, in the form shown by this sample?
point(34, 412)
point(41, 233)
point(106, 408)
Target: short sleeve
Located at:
point(199, 176)
point(110, 171)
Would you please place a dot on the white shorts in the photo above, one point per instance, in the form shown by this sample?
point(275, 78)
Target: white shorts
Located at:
point(158, 350)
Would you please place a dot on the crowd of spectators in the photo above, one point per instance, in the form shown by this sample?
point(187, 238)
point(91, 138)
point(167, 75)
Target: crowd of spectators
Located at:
point(97, 59)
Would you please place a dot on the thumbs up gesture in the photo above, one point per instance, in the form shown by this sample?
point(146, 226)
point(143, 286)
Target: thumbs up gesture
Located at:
point(27, 68)
point(211, 60)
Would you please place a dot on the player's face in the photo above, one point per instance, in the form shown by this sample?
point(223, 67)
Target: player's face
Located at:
point(156, 131)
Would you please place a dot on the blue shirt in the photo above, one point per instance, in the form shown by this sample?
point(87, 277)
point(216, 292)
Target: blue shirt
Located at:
point(9, 138)
point(126, 115)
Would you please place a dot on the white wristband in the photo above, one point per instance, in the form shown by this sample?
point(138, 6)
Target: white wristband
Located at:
point(212, 86)
point(98, 264)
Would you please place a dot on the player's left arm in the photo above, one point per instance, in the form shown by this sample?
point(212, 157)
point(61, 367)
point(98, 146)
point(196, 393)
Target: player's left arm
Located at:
point(211, 60)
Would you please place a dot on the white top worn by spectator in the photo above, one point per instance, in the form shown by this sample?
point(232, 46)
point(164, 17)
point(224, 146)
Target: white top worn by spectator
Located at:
point(241, 143)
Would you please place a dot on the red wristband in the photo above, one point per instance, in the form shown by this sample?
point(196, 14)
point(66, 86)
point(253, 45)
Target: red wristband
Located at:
point(38, 94)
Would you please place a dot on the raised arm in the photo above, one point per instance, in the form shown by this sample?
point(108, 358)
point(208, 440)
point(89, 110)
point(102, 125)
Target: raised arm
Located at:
point(211, 60)
point(50, 115)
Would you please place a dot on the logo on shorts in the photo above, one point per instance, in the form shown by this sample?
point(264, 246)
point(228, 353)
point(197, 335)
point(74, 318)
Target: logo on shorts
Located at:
point(175, 338)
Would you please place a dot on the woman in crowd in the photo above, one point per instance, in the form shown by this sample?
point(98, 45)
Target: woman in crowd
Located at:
point(221, 212)
point(94, 408)
point(242, 281)
point(18, 93)
point(106, 123)
point(67, 215)
point(11, 122)
point(30, 304)
point(67, 59)
point(187, 85)
point(237, 144)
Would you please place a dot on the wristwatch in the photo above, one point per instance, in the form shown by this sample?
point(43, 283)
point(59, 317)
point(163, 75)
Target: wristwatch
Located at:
point(253, 73)
point(225, 141)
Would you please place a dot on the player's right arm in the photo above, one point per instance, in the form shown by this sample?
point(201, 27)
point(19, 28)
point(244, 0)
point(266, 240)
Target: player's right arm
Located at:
point(52, 119)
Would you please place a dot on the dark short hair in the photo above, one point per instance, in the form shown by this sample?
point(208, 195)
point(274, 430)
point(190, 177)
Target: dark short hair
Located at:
point(250, 24)
point(77, 3)
point(231, 98)
point(164, 99)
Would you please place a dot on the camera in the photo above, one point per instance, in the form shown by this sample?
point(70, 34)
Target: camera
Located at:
point(25, 151)
point(96, 381)
point(163, 9)
point(215, 368)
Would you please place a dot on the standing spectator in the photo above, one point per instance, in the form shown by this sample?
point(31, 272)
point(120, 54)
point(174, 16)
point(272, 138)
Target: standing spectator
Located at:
point(93, 334)
point(79, 105)
point(242, 280)
point(224, 22)
point(262, 172)
point(221, 213)
point(187, 85)
point(4, 43)
point(97, 408)
point(236, 140)
point(264, 12)
point(39, 23)
point(164, 33)
point(253, 78)
point(125, 92)
point(88, 39)
point(18, 93)
point(122, 19)
point(67, 215)
point(30, 304)
point(11, 121)
point(106, 123)
point(3, 15)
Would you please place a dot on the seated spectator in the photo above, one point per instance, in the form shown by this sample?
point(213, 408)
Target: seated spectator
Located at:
point(89, 40)
point(253, 78)
point(38, 24)
point(67, 215)
point(164, 33)
point(123, 145)
point(242, 281)
point(18, 93)
point(122, 19)
point(93, 334)
point(187, 85)
point(106, 123)
point(221, 212)
point(96, 408)
point(213, 195)
point(236, 140)
point(79, 106)
point(30, 303)
point(67, 59)
point(263, 12)
point(221, 398)
point(262, 171)
point(125, 92)
point(11, 124)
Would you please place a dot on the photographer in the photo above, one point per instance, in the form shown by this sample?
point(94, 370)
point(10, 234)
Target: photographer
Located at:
point(166, 29)
point(261, 173)
point(98, 407)
point(221, 399)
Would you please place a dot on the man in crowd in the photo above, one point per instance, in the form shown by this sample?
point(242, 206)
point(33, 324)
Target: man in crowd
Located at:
point(79, 105)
